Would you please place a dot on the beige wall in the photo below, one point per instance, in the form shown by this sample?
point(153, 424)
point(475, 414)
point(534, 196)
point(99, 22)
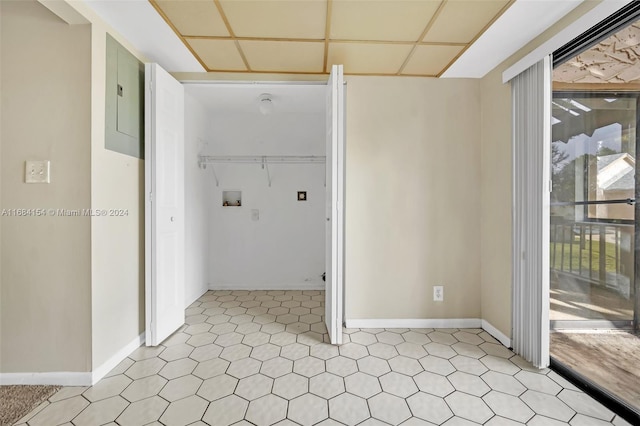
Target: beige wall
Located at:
point(117, 243)
point(45, 263)
point(428, 198)
point(79, 292)
point(412, 198)
point(1, 97)
point(496, 200)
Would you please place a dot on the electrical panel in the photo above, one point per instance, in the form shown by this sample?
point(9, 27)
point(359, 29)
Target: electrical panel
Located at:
point(124, 130)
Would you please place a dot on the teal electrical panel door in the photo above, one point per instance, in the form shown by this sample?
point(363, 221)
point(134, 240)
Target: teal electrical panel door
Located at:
point(124, 101)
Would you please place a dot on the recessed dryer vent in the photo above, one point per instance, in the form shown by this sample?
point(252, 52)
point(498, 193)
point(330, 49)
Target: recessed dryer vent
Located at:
point(231, 198)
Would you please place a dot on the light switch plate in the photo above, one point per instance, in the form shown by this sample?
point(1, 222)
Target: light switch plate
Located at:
point(37, 171)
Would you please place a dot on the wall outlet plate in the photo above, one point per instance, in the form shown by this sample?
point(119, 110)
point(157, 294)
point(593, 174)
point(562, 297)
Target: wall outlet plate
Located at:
point(37, 171)
point(302, 195)
point(438, 293)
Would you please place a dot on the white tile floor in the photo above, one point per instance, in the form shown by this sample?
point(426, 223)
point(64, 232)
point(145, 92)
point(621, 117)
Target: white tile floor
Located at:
point(259, 358)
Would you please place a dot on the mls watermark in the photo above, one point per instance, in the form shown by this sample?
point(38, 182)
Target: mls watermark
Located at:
point(64, 212)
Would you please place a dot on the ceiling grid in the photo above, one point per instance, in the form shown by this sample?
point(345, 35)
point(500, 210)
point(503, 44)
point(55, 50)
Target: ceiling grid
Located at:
point(422, 36)
point(370, 37)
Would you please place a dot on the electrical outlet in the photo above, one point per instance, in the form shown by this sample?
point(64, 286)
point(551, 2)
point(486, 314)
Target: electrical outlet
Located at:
point(37, 172)
point(438, 293)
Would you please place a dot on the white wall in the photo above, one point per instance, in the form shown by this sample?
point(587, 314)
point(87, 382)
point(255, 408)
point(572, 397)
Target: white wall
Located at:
point(285, 247)
point(196, 234)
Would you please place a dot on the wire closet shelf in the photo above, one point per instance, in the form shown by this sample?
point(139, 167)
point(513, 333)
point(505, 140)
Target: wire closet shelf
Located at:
point(262, 160)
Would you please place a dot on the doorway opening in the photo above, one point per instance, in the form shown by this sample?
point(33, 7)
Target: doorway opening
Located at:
point(263, 195)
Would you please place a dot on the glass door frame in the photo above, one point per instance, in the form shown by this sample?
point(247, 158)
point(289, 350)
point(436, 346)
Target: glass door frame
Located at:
point(633, 323)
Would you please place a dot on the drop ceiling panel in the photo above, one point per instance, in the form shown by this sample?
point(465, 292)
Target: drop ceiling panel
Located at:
point(284, 55)
point(460, 21)
point(193, 17)
point(398, 20)
point(297, 36)
point(430, 60)
point(276, 19)
point(218, 54)
point(363, 58)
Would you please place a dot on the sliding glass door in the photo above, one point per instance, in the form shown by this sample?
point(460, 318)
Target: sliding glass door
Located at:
point(595, 212)
point(593, 238)
point(593, 262)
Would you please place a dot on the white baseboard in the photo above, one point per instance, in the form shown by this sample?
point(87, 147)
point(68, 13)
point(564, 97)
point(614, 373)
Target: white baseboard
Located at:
point(249, 287)
point(414, 323)
point(61, 378)
point(111, 363)
point(431, 323)
point(500, 336)
point(195, 295)
point(64, 378)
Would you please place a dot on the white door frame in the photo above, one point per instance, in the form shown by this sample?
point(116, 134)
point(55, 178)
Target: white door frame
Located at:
point(342, 301)
point(164, 205)
point(335, 170)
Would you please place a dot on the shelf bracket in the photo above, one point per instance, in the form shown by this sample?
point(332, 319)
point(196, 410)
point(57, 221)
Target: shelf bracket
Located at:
point(215, 176)
point(265, 166)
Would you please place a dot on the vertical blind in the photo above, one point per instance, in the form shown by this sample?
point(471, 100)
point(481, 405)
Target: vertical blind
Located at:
point(531, 96)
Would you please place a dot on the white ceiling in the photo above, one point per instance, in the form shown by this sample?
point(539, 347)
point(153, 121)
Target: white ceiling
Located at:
point(141, 25)
point(243, 98)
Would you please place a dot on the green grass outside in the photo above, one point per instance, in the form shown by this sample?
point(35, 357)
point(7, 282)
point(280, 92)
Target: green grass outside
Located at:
point(573, 255)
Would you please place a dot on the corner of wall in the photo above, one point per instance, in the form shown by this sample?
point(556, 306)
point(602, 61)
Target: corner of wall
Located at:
point(496, 200)
point(117, 242)
point(496, 182)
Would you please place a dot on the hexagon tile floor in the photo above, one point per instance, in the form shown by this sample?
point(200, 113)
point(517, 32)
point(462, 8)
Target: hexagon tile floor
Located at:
point(259, 358)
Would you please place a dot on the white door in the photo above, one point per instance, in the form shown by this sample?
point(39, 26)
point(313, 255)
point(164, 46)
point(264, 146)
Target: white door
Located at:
point(164, 207)
point(335, 204)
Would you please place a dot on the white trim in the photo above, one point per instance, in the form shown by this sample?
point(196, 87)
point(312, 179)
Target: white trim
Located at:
point(64, 378)
point(116, 359)
point(415, 323)
point(275, 287)
point(497, 334)
point(571, 31)
point(53, 378)
point(143, 27)
point(64, 11)
point(431, 323)
point(195, 296)
point(524, 20)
